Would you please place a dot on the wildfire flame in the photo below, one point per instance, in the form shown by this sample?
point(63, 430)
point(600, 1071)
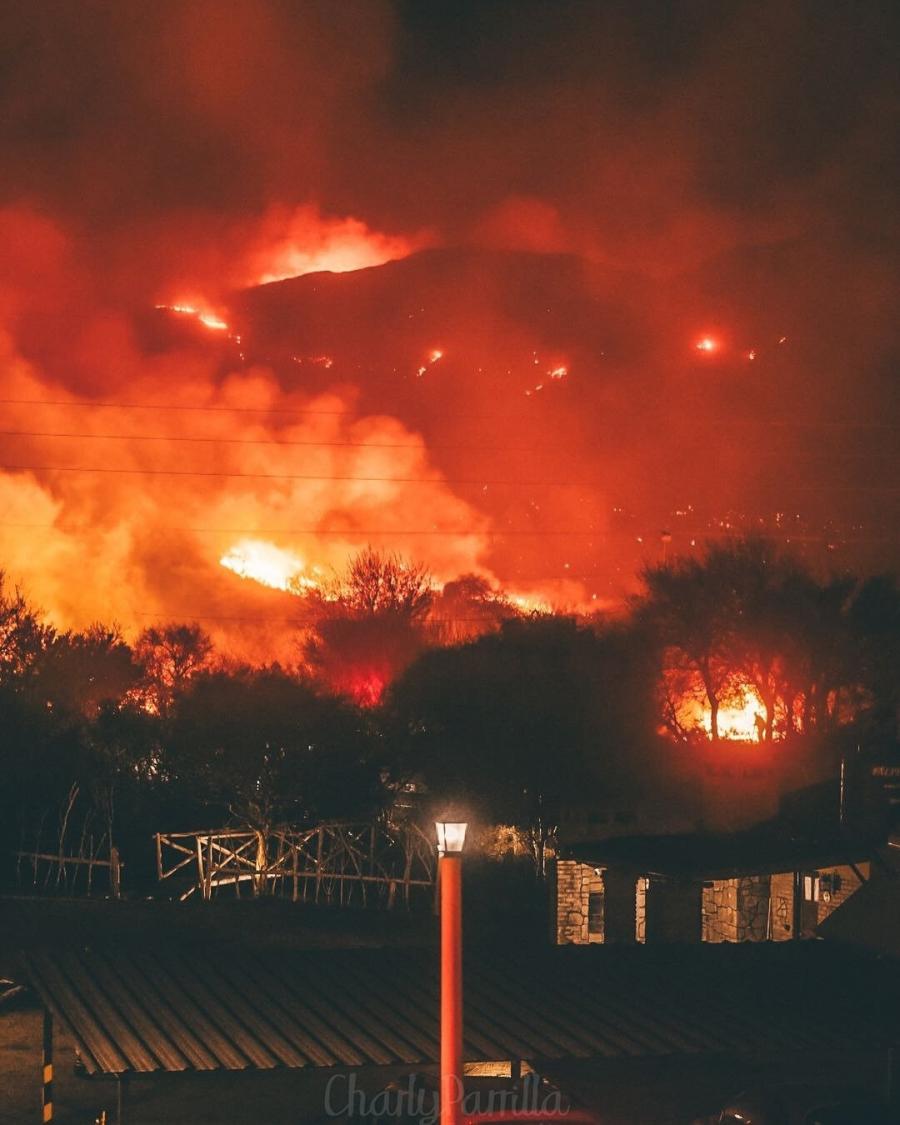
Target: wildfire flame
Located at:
point(742, 723)
point(202, 316)
point(269, 565)
point(367, 688)
point(743, 719)
point(527, 603)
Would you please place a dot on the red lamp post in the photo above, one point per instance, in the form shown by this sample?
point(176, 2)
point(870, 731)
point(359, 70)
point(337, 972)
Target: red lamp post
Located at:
point(451, 837)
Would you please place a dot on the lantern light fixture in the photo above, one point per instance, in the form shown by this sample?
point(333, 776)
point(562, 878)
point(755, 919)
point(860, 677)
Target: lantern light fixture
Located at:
point(451, 835)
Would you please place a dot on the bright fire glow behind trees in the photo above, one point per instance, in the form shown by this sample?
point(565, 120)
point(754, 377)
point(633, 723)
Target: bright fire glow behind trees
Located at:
point(269, 565)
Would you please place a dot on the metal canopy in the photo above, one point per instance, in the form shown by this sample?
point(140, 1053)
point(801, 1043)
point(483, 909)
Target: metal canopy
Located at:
point(233, 1010)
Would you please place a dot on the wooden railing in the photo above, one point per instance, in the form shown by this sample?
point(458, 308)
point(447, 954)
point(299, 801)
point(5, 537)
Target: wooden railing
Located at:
point(333, 863)
point(55, 870)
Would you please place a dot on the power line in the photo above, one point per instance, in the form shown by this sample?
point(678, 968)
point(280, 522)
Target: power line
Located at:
point(351, 412)
point(479, 481)
point(350, 532)
point(422, 446)
point(171, 406)
point(268, 441)
point(106, 469)
point(649, 538)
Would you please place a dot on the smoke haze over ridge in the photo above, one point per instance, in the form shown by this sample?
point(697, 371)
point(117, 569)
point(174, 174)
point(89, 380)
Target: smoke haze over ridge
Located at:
point(580, 188)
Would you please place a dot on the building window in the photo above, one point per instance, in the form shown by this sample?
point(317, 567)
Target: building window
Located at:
point(595, 912)
point(811, 888)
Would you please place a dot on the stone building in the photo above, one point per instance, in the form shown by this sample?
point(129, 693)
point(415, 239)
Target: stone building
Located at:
point(741, 887)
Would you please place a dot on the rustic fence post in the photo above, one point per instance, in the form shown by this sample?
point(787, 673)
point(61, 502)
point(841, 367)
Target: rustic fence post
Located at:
point(47, 1068)
point(115, 872)
point(319, 844)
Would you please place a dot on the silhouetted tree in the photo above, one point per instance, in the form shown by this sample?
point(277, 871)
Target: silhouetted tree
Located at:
point(267, 747)
point(517, 723)
point(748, 614)
point(466, 608)
point(874, 617)
point(368, 625)
point(23, 636)
point(689, 610)
point(169, 657)
point(77, 673)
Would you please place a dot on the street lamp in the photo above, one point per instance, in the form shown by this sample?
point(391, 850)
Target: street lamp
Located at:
point(451, 836)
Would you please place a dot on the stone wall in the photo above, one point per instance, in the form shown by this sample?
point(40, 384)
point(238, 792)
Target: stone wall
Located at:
point(752, 908)
point(736, 909)
point(720, 910)
point(575, 883)
point(640, 909)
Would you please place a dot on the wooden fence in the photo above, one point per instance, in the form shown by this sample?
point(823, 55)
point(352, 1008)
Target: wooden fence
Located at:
point(55, 871)
point(332, 863)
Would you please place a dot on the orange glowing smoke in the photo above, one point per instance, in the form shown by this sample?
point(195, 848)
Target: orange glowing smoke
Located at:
point(292, 243)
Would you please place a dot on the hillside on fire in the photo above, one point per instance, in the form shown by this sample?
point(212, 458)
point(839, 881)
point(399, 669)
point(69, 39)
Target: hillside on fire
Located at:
point(544, 421)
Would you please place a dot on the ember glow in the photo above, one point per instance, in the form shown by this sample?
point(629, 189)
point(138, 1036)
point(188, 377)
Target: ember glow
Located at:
point(431, 359)
point(707, 345)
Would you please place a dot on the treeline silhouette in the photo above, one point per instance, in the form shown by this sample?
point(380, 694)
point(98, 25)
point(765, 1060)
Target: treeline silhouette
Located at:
point(105, 742)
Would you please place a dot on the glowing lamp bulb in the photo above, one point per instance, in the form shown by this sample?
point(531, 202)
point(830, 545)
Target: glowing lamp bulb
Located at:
point(450, 836)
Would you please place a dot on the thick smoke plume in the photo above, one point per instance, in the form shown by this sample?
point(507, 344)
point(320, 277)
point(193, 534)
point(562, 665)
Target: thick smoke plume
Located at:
point(624, 181)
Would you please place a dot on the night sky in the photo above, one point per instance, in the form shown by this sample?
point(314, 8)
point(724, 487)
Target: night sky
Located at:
point(655, 245)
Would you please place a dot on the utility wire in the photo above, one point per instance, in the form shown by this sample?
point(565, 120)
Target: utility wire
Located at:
point(475, 481)
point(538, 533)
point(345, 412)
point(422, 446)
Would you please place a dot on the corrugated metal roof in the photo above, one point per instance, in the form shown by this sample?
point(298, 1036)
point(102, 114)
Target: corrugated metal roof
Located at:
point(237, 1010)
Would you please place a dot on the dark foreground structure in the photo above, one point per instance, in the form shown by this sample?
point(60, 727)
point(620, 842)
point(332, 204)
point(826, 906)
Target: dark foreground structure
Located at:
point(563, 1012)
